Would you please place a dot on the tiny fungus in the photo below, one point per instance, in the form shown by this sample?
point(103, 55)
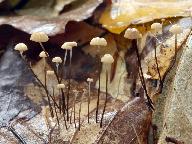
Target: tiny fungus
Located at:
point(68, 46)
point(107, 60)
point(157, 28)
point(21, 47)
point(98, 42)
point(175, 30)
point(57, 61)
point(89, 80)
point(133, 34)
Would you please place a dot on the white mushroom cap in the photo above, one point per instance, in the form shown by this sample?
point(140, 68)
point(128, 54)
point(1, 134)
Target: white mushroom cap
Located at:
point(49, 72)
point(39, 37)
point(132, 33)
point(176, 29)
point(57, 60)
point(68, 45)
point(61, 86)
point(157, 27)
point(42, 54)
point(21, 47)
point(107, 59)
point(89, 79)
point(98, 42)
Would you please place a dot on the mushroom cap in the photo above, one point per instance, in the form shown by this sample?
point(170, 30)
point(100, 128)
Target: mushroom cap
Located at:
point(97, 41)
point(157, 27)
point(49, 72)
point(39, 37)
point(69, 45)
point(176, 29)
point(60, 86)
point(89, 79)
point(57, 60)
point(107, 59)
point(132, 33)
point(42, 54)
point(21, 47)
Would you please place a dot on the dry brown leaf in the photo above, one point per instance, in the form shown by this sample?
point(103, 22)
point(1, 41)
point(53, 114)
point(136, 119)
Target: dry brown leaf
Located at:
point(51, 26)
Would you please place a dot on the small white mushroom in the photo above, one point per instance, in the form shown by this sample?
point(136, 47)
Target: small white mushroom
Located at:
point(107, 59)
point(43, 54)
point(98, 42)
point(68, 46)
point(157, 28)
point(57, 60)
point(39, 37)
point(21, 47)
point(132, 33)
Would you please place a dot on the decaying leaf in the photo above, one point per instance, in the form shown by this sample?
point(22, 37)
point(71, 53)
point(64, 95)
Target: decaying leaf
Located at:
point(51, 26)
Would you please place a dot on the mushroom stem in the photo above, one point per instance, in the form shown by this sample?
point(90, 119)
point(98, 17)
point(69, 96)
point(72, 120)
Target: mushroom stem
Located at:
point(88, 100)
point(57, 67)
point(55, 109)
point(69, 85)
point(80, 110)
point(105, 104)
point(149, 103)
point(98, 93)
point(74, 108)
point(157, 66)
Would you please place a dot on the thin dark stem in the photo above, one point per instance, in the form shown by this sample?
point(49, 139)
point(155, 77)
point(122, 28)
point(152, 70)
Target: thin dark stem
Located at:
point(105, 104)
point(156, 61)
point(69, 86)
point(88, 100)
point(21, 140)
point(142, 77)
point(57, 77)
point(74, 112)
point(80, 112)
point(49, 102)
point(98, 93)
point(55, 108)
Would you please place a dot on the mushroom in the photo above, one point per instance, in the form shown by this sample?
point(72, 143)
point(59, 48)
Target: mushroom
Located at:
point(107, 60)
point(157, 28)
point(57, 61)
point(98, 42)
point(21, 47)
point(68, 46)
point(175, 30)
point(134, 34)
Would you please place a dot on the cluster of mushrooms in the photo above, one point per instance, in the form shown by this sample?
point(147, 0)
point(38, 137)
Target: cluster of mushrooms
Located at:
point(107, 59)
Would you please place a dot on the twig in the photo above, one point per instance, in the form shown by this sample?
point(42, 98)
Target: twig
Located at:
point(173, 140)
point(21, 140)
